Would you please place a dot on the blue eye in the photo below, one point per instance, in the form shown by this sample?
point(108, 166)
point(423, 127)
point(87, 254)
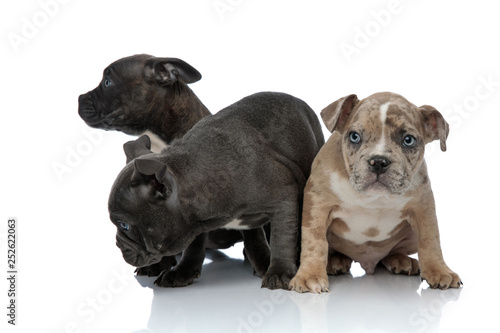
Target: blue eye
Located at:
point(354, 137)
point(409, 141)
point(107, 83)
point(124, 226)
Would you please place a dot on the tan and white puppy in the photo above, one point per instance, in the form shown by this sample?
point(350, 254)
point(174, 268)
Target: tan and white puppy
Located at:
point(369, 197)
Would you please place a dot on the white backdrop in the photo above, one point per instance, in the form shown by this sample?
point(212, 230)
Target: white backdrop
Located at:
point(71, 275)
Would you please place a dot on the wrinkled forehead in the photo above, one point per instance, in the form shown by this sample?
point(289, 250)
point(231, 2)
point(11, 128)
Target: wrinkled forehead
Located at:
point(385, 109)
point(126, 67)
point(123, 195)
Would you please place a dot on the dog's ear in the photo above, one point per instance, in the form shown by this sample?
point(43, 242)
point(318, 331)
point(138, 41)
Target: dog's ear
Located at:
point(335, 115)
point(155, 174)
point(167, 71)
point(136, 148)
point(436, 128)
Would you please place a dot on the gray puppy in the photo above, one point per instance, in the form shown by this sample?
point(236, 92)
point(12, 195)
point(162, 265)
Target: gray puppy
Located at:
point(241, 168)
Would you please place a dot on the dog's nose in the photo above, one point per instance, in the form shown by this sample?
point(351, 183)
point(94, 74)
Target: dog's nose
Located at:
point(86, 108)
point(379, 164)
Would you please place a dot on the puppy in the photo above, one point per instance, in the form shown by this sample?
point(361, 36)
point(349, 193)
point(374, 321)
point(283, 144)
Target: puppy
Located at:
point(142, 94)
point(238, 169)
point(369, 197)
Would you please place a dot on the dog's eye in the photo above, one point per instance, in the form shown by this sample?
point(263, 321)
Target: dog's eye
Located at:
point(409, 141)
point(354, 137)
point(124, 226)
point(107, 83)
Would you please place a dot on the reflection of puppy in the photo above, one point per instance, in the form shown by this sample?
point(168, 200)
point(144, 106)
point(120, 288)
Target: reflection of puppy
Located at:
point(144, 94)
point(369, 198)
point(380, 298)
point(238, 169)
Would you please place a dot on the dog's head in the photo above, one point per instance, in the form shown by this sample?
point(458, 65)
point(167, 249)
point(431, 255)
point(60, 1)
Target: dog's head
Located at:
point(144, 206)
point(131, 89)
point(383, 139)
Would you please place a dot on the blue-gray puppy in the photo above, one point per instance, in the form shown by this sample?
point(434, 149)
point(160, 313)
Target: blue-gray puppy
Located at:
point(238, 169)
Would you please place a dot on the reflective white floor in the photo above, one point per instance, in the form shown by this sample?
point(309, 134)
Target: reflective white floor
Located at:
point(228, 299)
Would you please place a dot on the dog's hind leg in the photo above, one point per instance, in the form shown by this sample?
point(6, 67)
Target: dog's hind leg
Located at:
point(401, 264)
point(338, 263)
point(257, 250)
point(283, 244)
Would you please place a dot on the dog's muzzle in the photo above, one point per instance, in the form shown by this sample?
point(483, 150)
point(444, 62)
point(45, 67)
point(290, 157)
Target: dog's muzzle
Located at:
point(133, 253)
point(86, 108)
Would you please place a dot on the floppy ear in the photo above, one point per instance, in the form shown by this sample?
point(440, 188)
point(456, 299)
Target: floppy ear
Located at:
point(167, 71)
point(436, 128)
point(160, 179)
point(136, 148)
point(335, 115)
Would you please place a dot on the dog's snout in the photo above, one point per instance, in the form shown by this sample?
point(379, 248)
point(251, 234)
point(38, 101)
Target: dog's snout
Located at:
point(379, 164)
point(86, 108)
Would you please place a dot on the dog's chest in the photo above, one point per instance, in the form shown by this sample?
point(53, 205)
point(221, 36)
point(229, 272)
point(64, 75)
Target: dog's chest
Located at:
point(367, 225)
point(247, 221)
point(360, 219)
point(157, 144)
point(237, 224)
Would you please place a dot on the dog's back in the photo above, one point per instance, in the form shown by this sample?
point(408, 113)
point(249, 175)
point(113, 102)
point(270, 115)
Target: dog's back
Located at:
point(287, 123)
point(278, 121)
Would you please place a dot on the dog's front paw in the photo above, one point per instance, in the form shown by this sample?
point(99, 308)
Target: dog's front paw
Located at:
point(314, 283)
point(165, 264)
point(177, 278)
point(278, 277)
point(441, 277)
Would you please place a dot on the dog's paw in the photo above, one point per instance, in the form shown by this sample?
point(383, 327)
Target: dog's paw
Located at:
point(177, 278)
point(260, 267)
point(401, 264)
point(278, 277)
point(441, 277)
point(165, 264)
point(152, 270)
point(314, 283)
point(259, 260)
point(338, 264)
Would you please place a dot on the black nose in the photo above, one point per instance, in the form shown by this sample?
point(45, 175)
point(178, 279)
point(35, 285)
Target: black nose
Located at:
point(379, 164)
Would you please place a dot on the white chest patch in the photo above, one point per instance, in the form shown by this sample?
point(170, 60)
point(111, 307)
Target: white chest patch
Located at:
point(236, 224)
point(157, 144)
point(369, 218)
